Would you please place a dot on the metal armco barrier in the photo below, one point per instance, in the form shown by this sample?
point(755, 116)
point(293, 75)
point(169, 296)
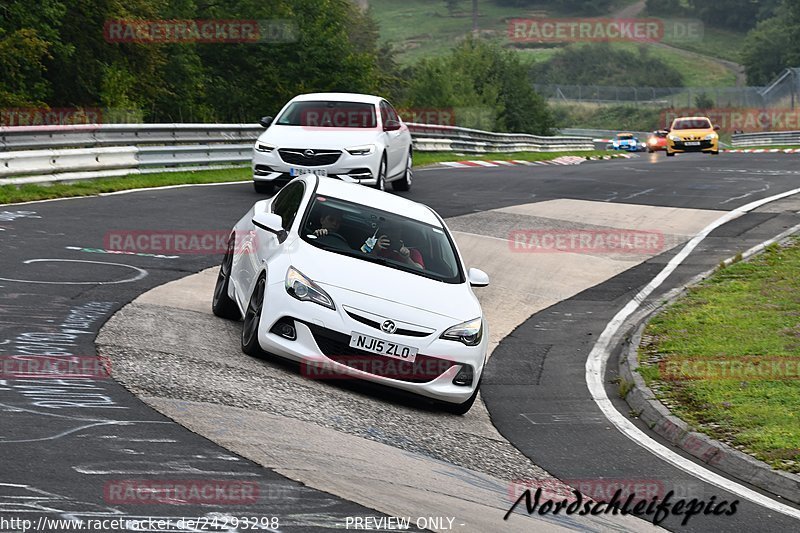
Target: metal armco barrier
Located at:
point(770, 138)
point(42, 154)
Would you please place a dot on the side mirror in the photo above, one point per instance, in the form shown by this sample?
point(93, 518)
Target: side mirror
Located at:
point(477, 278)
point(716, 128)
point(272, 223)
point(391, 125)
point(265, 122)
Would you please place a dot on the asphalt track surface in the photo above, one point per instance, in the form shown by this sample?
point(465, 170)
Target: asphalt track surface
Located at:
point(64, 443)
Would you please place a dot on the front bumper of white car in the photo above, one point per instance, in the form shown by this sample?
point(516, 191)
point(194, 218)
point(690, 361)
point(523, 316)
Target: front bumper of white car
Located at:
point(281, 165)
point(319, 337)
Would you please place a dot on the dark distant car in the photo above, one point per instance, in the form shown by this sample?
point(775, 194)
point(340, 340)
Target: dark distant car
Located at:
point(657, 141)
point(627, 142)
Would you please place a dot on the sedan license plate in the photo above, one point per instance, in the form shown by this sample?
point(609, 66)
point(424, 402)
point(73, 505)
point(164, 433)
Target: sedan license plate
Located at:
point(301, 171)
point(692, 143)
point(383, 347)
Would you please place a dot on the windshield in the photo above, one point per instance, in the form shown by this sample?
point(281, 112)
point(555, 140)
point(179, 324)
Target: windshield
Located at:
point(624, 136)
point(381, 237)
point(326, 114)
point(691, 124)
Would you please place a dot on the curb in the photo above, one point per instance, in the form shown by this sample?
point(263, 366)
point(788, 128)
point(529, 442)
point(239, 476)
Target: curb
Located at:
point(764, 151)
point(564, 160)
point(661, 420)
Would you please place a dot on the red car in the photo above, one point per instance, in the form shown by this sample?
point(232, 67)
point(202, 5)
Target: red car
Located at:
point(657, 141)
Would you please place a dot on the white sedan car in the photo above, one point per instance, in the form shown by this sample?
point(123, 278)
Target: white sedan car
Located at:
point(352, 137)
point(356, 283)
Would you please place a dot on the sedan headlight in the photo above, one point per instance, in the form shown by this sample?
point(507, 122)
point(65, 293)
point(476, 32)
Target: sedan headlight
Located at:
point(367, 149)
point(674, 138)
point(306, 290)
point(264, 147)
point(711, 136)
point(469, 333)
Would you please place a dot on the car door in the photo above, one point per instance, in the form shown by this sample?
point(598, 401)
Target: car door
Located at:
point(264, 246)
point(394, 140)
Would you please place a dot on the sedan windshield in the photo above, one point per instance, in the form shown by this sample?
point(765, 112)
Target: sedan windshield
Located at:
point(377, 236)
point(692, 124)
point(325, 114)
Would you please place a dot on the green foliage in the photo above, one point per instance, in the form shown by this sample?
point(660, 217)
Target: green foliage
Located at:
point(58, 54)
point(618, 117)
point(773, 45)
point(601, 64)
point(703, 102)
point(480, 80)
point(574, 7)
point(739, 15)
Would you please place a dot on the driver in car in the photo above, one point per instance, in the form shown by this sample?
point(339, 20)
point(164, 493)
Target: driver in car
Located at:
point(329, 222)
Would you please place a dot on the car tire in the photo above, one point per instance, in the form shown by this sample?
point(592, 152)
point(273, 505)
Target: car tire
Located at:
point(264, 187)
point(404, 184)
point(252, 319)
point(462, 408)
point(670, 154)
point(381, 183)
point(715, 152)
point(222, 305)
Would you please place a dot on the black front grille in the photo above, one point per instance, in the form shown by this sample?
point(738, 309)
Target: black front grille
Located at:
point(336, 346)
point(377, 325)
point(298, 156)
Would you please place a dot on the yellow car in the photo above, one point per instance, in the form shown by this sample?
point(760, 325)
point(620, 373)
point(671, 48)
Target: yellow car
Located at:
point(692, 134)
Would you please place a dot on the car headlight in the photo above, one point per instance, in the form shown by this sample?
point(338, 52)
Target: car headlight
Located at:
point(711, 136)
point(367, 149)
point(264, 147)
point(469, 332)
point(674, 138)
point(306, 290)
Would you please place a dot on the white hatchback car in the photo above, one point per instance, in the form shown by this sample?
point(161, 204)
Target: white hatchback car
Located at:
point(352, 137)
point(356, 283)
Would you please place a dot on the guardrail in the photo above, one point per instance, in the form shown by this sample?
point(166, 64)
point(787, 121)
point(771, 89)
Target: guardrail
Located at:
point(42, 154)
point(770, 138)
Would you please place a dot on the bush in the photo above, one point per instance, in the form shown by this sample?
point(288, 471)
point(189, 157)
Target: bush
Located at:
point(601, 64)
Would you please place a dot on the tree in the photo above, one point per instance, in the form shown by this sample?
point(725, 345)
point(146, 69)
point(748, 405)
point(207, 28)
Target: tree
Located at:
point(28, 38)
point(773, 45)
point(479, 79)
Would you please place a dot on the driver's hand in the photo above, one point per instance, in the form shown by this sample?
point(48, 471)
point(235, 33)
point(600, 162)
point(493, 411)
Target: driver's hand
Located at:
point(384, 242)
point(405, 252)
point(320, 232)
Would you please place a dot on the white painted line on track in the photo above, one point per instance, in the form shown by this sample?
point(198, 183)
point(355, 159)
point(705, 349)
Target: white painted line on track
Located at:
point(598, 358)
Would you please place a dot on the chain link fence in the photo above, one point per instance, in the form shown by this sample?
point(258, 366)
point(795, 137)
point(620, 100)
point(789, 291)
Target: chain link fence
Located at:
point(784, 92)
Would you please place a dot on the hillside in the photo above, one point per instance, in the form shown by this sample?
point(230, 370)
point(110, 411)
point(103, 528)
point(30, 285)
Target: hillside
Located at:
point(423, 28)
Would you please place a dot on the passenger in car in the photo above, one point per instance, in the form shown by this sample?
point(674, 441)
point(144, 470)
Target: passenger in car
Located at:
point(391, 246)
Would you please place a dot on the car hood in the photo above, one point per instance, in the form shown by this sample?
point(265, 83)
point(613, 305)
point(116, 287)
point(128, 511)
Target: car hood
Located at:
point(692, 134)
point(356, 282)
point(318, 138)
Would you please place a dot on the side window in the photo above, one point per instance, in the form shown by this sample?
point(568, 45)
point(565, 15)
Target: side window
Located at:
point(392, 113)
point(384, 113)
point(287, 203)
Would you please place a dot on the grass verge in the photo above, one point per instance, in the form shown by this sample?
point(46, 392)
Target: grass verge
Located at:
point(725, 357)
point(10, 194)
point(26, 193)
